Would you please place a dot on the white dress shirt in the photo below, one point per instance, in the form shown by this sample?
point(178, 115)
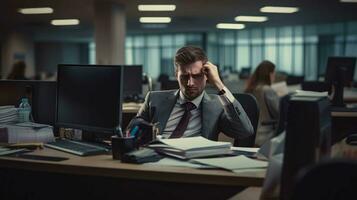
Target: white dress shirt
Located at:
point(195, 124)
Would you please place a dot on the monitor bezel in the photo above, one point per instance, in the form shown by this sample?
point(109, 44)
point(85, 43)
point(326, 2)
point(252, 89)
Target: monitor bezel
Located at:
point(94, 129)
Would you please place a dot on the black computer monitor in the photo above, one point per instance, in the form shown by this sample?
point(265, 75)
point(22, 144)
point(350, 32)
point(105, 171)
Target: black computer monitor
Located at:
point(335, 64)
point(308, 138)
point(89, 98)
point(339, 73)
point(132, 80)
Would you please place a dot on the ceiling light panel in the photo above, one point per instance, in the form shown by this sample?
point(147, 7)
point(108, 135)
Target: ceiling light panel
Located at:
point(64, 22)
point(278, 9)
point(230, 26)
point(156, 7)
point(34, 11)
point(155, 19)
point(250, 18)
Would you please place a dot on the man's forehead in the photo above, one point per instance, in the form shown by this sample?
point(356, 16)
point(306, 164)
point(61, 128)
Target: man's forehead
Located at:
point(194, 68)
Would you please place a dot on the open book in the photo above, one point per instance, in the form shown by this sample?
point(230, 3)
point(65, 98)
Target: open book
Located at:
point(191, 147)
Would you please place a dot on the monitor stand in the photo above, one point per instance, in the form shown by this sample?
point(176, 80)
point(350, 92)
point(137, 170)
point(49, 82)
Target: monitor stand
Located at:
point(92, 137)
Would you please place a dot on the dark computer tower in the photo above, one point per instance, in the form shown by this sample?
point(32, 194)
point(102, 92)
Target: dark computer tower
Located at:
point(307, 138)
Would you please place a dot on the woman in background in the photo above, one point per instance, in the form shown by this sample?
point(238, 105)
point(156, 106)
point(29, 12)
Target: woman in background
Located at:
point(259, 85)
point(18, 71)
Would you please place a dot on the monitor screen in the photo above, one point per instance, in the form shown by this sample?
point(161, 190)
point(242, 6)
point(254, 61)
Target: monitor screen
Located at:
point(89, 97)
point(336, 63)
point(132, 83)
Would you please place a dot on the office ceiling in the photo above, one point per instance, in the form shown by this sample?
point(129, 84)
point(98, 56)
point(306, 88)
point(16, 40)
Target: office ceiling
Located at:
point(190, 15)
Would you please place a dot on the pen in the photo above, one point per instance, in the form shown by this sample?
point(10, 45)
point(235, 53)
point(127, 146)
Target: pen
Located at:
point(134, 131)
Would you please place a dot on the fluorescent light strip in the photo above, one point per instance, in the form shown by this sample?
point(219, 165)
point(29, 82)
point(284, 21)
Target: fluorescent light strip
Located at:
point(348, 1)
point(33, 11)
point(155, 19)
point(229, 26)
point(278, 9)
point(64, 22)
point(250, 18)
point(156, 7)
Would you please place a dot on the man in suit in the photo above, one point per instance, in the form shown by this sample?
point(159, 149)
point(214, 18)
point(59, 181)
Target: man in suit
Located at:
point(190, 111)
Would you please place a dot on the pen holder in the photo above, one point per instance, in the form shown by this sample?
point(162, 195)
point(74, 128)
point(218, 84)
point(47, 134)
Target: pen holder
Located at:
point(122, 145)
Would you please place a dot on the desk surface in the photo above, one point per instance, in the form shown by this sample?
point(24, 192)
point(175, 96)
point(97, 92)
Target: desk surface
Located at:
point(104, 165)
point(344, 111)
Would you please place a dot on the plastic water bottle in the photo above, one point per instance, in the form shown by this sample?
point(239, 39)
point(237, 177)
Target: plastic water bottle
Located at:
point(24, 110)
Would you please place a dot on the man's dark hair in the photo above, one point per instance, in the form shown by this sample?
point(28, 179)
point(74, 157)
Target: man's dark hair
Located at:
point(188, 55)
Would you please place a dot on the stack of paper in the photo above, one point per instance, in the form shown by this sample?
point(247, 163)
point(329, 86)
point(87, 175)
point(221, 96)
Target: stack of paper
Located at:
point(8, 114)
point(303, 93)
point(25, 133)
point(191, 147)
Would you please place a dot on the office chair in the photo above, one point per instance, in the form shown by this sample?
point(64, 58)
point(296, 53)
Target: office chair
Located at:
point(334, 179)
point(250, 105)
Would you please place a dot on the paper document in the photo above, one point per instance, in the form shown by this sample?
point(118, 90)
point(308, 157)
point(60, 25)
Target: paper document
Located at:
point(26, 134)
point(304, 93)
point(248, 149)
point(191, 147)
point(280, 88)
point(8, 114)
point(190, 143)
point(179, 163)
point(233, 163)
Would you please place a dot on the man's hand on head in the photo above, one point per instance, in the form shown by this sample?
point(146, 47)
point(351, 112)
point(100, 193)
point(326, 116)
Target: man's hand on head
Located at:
point(211, 71)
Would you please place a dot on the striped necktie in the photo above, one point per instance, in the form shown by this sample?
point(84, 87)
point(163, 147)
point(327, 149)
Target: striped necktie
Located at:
point(182, 125)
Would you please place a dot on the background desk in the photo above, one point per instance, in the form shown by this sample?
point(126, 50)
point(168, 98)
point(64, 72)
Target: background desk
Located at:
point(104, 178)
point(344, 122)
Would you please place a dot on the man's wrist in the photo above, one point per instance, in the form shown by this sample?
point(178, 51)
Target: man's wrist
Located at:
point(225, 92)
point(220, 86)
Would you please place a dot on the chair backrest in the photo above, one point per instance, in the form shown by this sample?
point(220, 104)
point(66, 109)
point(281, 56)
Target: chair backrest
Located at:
point(250, 105)
point(335, 179)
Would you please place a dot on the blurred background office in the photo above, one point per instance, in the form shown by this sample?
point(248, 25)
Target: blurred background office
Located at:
point(237, 35)
point(298, 40)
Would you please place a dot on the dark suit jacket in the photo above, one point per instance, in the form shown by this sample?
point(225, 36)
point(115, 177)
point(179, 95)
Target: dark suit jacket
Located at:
point(231, 119)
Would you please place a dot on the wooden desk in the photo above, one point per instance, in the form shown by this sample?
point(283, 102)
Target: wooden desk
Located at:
point(102, 168)
point(349, 111)
point(343, 123)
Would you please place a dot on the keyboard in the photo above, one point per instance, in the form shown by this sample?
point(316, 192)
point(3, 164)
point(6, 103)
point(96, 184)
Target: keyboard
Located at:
point(77, 148)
